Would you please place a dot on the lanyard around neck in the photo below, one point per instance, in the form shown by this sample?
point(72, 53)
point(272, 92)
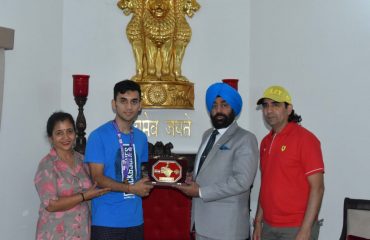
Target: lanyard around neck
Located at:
point(119, 134)
point(127, 157)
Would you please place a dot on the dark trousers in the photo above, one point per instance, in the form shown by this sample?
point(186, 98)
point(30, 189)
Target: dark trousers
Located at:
point(109, 233)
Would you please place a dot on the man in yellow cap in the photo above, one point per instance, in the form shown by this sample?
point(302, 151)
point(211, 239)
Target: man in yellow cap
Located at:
point(292, 182)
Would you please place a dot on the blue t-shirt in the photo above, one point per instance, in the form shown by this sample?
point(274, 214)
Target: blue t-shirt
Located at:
point(114, 209)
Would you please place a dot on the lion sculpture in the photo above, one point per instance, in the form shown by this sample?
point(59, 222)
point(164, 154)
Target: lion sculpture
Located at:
point(134, 32)
point(159, 28)
point(183, 33)
point(159, 34)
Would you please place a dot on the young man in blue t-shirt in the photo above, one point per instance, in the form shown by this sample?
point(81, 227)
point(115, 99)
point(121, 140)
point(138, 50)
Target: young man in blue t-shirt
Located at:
point(115, 152)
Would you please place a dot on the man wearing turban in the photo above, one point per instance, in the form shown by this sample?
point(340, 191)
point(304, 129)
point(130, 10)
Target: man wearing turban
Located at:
point(224, 170)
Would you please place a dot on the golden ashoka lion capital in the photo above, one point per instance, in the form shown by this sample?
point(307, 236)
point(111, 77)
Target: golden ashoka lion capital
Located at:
point(159, 34)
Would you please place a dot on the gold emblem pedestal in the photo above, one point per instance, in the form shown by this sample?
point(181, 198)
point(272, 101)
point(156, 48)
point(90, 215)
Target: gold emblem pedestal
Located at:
point(167, 94)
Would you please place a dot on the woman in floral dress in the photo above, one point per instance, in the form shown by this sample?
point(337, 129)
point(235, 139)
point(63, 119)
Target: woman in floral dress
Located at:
point(63, 183)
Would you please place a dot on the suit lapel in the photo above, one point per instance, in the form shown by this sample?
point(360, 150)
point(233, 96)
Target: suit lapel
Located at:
point(225, 137)
point(204, 139)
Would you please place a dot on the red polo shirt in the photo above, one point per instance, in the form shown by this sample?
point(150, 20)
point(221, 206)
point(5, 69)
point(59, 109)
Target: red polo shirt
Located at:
point(287, 159)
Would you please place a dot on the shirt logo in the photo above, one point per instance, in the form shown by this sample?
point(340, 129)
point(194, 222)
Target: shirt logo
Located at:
point(283, 148)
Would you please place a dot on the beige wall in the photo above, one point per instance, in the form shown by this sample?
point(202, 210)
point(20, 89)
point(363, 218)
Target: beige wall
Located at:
point(31, 92)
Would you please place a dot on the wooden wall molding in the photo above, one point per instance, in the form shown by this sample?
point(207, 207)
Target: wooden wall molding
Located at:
point(6, 38)
point(6, 43)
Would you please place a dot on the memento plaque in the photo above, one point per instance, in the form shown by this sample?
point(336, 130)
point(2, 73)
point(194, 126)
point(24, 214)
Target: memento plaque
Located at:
point(167, 170)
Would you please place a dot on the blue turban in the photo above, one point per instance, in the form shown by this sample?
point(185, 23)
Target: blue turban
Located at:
point(228, 93)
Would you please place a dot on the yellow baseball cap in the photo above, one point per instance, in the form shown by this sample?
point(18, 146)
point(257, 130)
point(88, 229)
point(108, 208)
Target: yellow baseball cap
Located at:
point(276, 93)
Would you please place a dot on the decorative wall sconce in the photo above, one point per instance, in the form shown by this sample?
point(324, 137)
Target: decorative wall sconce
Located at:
point(232, 82)
point(80, 92)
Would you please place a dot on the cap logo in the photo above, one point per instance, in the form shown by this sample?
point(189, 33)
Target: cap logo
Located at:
point(276, 91)
point(279, 93)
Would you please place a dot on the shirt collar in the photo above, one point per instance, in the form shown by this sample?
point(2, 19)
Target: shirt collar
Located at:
point(286, 129)
point(221, 131)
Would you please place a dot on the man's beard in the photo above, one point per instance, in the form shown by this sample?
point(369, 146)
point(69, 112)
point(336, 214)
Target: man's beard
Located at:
point(223, 122)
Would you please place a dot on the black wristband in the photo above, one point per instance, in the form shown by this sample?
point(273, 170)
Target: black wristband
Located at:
point(83, 197)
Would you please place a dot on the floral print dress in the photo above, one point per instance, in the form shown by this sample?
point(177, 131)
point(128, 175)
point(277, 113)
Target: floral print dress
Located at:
point(54, 179)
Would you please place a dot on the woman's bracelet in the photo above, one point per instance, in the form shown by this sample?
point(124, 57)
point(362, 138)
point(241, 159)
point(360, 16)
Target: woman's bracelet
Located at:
point(83, 197)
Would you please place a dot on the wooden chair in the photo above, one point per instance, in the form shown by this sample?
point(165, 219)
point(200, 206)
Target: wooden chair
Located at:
point(356, 219)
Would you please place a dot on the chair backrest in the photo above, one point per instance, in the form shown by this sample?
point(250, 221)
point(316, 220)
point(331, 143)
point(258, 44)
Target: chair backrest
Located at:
point(356, 219)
